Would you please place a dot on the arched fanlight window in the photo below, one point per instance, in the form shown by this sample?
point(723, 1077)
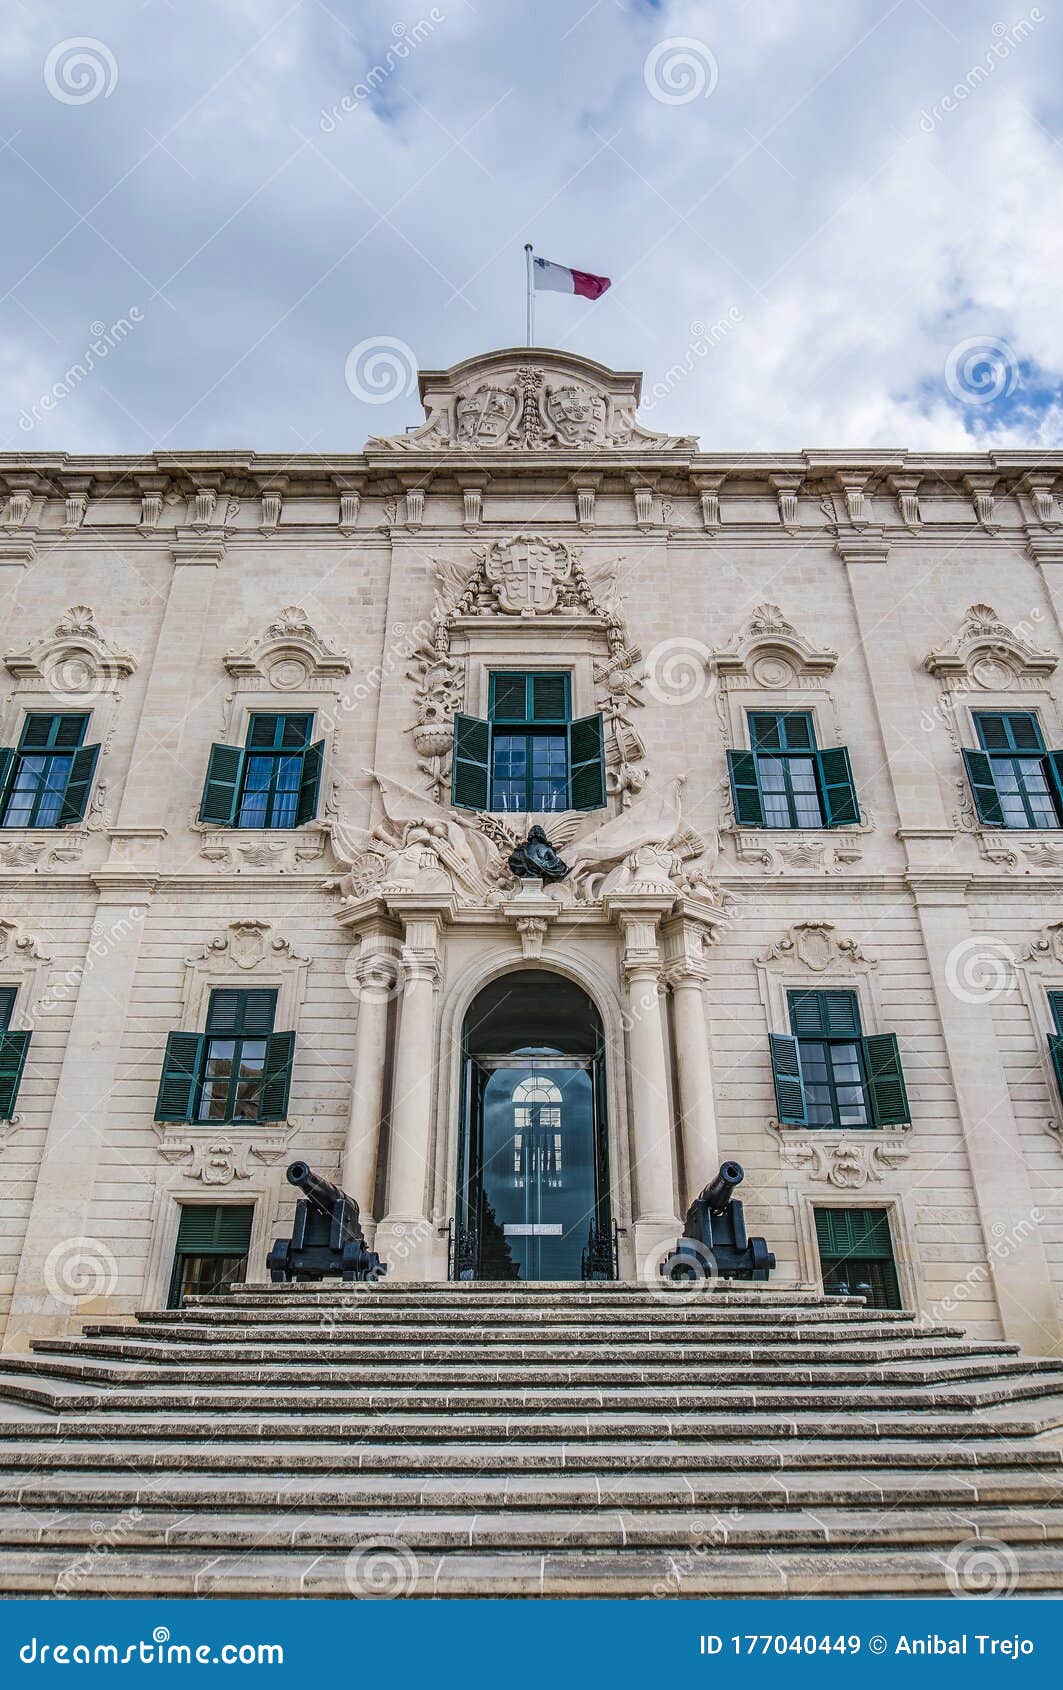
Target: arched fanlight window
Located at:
point(537, 1104)
point(537, 1089)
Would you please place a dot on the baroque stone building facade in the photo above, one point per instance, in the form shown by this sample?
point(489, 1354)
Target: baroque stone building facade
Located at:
point(275, 725)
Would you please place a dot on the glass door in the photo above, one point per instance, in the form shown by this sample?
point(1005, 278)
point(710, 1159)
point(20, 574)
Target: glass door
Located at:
point(532, 1167)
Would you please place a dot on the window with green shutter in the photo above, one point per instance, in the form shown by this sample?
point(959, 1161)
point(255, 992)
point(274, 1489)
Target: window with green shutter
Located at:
point(1015, 781)
point(211, 1254)
point(271, 781)
point(785, 780)
point(13, 1048)
point(47, 780)
point(529, 755)
point(827, 1074)
point(238, 1069)
point(1055, 1039)
point(856, 1254)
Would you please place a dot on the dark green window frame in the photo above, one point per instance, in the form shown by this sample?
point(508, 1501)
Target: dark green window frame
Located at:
point(211, 1251)
point(13, 1048)
point(47, 779)
point(237, 1071)
point(1055, 1039)
point(528, 755)
point(272, 781)
point(785, 781)
point(825, 1062)
point(1015, 781)
point(857, 1256)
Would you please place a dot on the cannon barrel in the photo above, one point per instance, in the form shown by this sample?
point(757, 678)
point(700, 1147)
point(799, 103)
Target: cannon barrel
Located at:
point(717, 1195)
point(325, 1197)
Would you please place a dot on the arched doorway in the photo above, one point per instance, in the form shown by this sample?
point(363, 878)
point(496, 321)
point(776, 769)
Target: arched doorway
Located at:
point(533, 1175)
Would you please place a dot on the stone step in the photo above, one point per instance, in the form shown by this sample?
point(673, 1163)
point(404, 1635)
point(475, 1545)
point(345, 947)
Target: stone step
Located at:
point(315, 1371)
point(393, 1569)
point(701, 1314)
point(717, 1453)
point(541, 1532)
point(506, 1294)
point(454, 1351)
point(242, 1389)
point(197, 1493)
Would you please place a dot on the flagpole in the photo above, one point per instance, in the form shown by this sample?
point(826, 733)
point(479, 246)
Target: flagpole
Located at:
point(530, 312)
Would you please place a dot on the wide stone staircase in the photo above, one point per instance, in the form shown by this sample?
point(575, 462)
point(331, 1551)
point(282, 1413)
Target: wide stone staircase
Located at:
point(538, 1440)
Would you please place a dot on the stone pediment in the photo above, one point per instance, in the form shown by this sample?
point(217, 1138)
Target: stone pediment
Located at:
point(531, 399)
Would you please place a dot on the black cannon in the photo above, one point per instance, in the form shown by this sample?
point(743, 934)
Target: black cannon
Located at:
point(326, 1239)
point(714, 1242)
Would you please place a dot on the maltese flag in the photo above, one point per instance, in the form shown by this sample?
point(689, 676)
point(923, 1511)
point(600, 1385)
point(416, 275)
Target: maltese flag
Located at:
point(555, 278)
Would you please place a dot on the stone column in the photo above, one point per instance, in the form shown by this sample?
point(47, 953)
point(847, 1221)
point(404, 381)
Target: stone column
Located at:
point(686, 974)
point(72, 1264)
point(407, 1237)
point(155, 765)
point(1007, 1208)
point(652, 1138)
point(374, 971)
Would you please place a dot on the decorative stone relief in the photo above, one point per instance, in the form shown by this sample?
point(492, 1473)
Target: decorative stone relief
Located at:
point(816, 945)
point(530, 576)
point(417, 845)
point(75, 662)
point(768, 652)
point(557, 402)
point(985, 653)
point(847, 1162)
point(279, 856)
point(219, 1159)
point(807, 853)
point(288, 655)
point(245, 947)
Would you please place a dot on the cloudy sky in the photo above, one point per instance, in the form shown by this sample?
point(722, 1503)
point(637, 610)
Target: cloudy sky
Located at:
point(827, 222)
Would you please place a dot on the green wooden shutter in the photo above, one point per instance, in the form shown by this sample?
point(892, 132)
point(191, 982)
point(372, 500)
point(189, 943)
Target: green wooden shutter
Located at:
point(854, 1232)
point(789, 1088)
point(1055, 1050)
point(1053, 767)
point(745, 788)
point(222, 787)
point(824, 1015)
point(509, 698)
point(13, 1048)
point(215, 1229)
point(7, 769)
point(586, 749)
point(310, 783)
point(837, 787)
point(983, 786)
point(277, 1076)
point(885, 1081)
point(549, 698)
point(472, 754)
point(181, 1068)
point(78, 785)
point(765, 730)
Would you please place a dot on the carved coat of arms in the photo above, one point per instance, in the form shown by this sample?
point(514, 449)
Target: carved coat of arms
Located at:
point(484, 418)
point(527, 573)
point(576, 415)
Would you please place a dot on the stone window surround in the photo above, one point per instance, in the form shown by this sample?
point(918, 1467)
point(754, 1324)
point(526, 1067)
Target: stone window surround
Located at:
point(39, 701)
point(174, 1194)
point(902, 1233)
point(247, 702)
point(960, 707)
point(1039, 973)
